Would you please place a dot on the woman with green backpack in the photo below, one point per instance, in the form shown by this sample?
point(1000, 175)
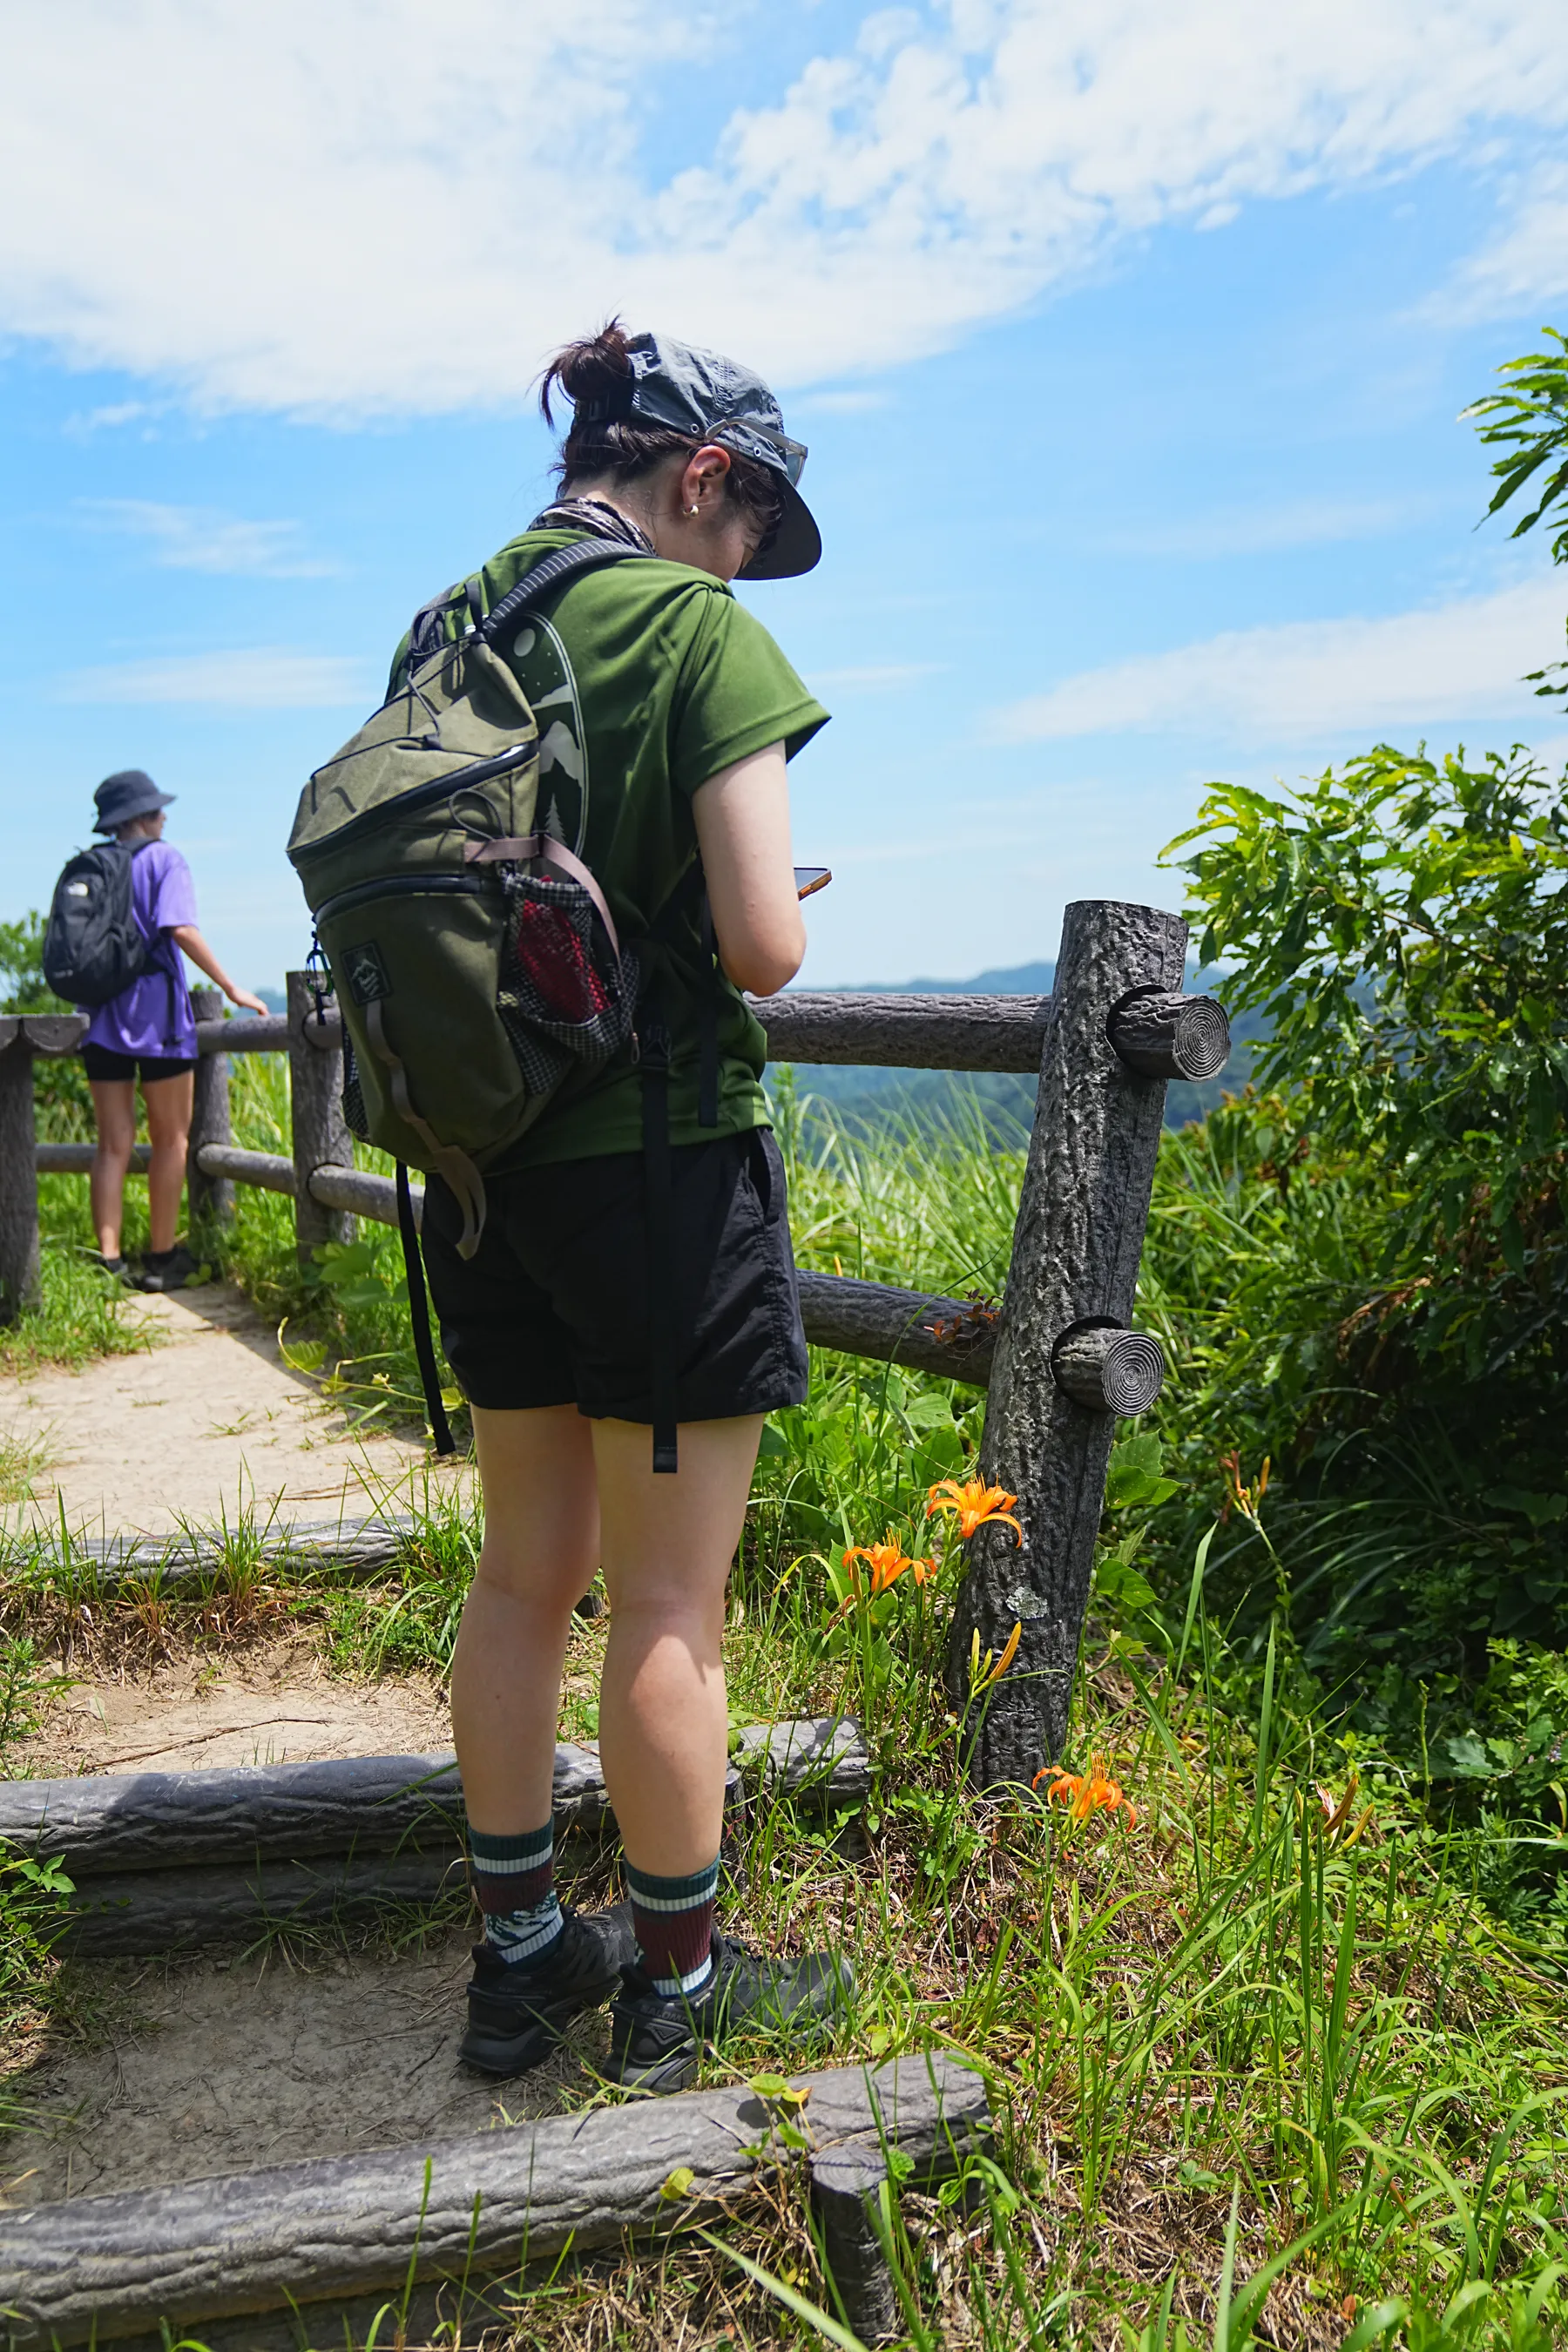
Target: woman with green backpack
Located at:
point(666, 716)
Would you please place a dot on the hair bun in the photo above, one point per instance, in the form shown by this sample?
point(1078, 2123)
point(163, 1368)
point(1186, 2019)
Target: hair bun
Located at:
point(585, 370)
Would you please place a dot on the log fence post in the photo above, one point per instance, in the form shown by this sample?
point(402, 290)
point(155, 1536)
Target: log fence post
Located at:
point(1057, 1378)
point(321, 1134)
point(22, 1036)
point(209, 1199)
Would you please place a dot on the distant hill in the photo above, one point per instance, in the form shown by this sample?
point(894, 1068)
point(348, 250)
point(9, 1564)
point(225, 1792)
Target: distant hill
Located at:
point(1007, 1101)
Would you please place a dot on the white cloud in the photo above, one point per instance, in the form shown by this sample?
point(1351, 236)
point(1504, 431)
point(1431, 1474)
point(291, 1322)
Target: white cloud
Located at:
point(346, 210)
point(201, 539)
point(1263, 529)
point(258, 677)
point(1314, 680)
point(1525, 266)
point(109, 419)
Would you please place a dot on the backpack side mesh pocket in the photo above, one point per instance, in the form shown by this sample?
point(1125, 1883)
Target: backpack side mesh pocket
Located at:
point(567, 992)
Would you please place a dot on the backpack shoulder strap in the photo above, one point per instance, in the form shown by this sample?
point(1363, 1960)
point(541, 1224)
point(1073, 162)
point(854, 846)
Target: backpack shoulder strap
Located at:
point(552, 572)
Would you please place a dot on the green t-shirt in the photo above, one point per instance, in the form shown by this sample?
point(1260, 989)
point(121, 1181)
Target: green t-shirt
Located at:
point(647, 678)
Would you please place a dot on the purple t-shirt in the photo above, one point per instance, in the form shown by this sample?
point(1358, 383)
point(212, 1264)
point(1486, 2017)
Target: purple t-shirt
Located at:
point(154, 1015)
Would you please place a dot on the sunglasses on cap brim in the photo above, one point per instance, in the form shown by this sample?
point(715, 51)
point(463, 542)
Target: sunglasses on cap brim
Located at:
point(788, 455)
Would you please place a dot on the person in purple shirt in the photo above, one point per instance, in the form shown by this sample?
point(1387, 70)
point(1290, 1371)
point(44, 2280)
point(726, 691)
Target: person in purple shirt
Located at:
point(149, 1031)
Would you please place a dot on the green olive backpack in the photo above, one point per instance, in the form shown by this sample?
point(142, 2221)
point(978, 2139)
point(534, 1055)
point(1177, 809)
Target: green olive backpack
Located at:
point(473, 956)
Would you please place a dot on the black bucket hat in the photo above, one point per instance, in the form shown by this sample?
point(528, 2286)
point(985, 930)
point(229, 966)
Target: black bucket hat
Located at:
point(129, 793)
point(688, 390)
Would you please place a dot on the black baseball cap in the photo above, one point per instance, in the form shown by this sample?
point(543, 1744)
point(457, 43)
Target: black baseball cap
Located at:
point(690, 390)
point(131, 792)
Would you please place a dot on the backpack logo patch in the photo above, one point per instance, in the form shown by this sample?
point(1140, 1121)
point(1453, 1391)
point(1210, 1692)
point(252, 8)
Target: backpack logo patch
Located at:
point(365, 973)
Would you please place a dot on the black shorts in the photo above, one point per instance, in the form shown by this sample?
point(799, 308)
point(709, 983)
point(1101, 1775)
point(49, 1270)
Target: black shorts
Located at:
point(103, 1061)
point(552, 1307)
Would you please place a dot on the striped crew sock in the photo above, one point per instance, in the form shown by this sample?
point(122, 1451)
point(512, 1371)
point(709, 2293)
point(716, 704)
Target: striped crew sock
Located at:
point(514, 1878)
point(672, 1920)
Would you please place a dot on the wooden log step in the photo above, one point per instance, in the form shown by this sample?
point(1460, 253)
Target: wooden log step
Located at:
point(825, 1757)
point(129, 1822)
point(358, 1549)
point(100, 2269)
point(139, 1913)
point(174, 1861)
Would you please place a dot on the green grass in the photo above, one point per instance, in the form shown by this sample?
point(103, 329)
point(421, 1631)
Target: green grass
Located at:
point(1261, 2075)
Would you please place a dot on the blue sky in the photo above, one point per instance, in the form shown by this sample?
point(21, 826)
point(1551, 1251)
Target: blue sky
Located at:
point(1128, 341)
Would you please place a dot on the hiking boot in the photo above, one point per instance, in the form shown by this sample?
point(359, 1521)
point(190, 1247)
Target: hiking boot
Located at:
point(517, 2014)
point(172, 1271)
point(657, 2039)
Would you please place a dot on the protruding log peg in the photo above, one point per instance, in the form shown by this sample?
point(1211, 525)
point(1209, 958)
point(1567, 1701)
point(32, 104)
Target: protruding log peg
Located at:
point(1107, 1369)
point(1165, 1035)
point(846, 2187)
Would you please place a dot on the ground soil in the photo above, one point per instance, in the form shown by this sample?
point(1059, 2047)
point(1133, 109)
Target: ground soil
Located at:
point(181, 2071)
point(206, 1423)
point(272, 1703)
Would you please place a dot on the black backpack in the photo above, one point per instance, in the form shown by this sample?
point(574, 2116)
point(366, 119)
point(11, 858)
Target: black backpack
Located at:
point(93, 948)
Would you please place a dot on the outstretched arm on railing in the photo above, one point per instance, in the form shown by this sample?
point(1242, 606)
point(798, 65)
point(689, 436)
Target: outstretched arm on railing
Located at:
point(190, 942)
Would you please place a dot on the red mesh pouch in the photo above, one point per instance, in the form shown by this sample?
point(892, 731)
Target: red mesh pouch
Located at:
point(565, 995)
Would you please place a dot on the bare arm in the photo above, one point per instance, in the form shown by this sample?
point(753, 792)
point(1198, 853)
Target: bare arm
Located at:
point(742, 830)
point(189, 941)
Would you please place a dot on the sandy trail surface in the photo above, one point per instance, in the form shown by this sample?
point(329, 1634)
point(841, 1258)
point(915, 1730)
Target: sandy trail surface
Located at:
point(157, 2071)
point(206, 1423)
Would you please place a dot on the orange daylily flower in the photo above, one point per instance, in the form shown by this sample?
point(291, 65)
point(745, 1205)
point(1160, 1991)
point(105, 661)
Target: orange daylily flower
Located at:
point(887, 1561)
point(1086, 1793)
point(974, 1504)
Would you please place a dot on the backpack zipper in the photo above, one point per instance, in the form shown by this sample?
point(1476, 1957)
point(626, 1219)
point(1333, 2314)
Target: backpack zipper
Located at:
point(420, 795)
point(401, 885)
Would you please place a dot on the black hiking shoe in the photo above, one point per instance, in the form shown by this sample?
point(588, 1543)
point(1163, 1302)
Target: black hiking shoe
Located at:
point(518, 2014)
point(172, 1271)
point(657, 2039)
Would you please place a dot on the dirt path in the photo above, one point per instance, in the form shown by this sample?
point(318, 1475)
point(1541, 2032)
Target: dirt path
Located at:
point(206, 1424)
point(187, 2070)
point(272, 1704)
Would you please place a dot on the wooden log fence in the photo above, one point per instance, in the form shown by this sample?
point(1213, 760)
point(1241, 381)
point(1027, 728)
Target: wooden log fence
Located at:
point(1057, 1356)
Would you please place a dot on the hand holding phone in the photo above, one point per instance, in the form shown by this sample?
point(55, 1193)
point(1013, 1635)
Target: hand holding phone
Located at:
point(808, 878)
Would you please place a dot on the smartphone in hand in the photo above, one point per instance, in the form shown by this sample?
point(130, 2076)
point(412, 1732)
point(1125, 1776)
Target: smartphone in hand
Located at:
point(808, 878)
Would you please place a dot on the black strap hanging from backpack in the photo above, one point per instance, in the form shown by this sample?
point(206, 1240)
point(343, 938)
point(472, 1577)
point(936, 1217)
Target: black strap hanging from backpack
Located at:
point(419, 1317)
point(653, 1038)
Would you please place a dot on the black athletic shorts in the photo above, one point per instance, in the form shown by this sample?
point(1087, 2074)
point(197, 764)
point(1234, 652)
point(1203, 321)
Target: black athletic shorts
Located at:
point(552, 1307)
point(103, 1061)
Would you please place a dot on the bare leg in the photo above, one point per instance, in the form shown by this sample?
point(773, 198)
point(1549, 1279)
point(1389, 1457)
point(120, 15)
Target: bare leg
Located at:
point(666, 1545)
point(114, 1108)
point(168, 1102)
point(540, 1552)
